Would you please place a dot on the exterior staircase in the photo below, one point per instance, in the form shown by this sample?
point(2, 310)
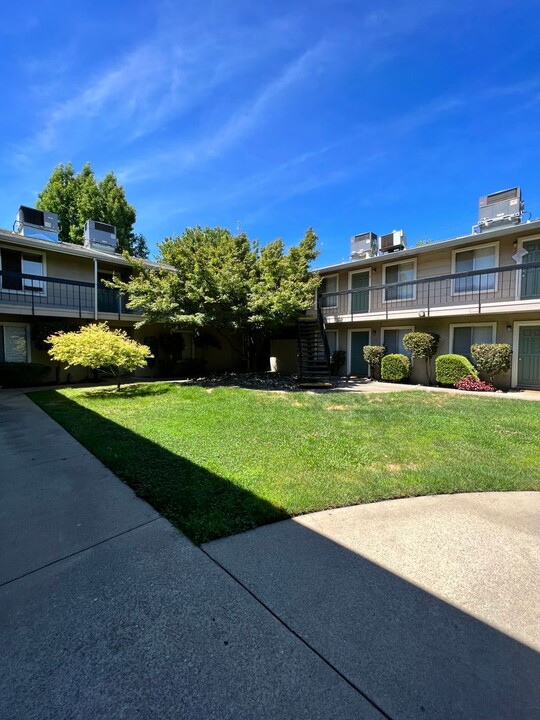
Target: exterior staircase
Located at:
point(313, 350)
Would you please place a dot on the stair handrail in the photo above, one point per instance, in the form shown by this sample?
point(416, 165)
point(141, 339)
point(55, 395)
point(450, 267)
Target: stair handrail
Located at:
point(322, 326)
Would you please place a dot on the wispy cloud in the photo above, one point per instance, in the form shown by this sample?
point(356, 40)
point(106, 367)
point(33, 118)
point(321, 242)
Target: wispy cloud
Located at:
point(237, 125)
point(160, 80)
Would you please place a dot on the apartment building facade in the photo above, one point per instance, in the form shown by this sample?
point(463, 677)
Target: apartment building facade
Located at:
point(478, 288)
point(46, 284)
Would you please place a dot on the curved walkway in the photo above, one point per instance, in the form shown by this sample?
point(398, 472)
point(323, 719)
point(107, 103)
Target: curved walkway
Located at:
point(428, 605)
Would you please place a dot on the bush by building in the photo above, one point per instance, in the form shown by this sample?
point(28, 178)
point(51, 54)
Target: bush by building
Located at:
point(450, 369)
point(395, 368)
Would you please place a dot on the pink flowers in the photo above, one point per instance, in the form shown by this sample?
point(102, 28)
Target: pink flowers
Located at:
point(472, 383)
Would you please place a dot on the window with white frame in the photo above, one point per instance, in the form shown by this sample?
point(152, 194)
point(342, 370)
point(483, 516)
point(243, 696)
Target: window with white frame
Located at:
point(399, 273)
point(464, 336)
point(392, 339)
point(13, 343)
point(329, 284)
point(14, 263)
point(480, 258)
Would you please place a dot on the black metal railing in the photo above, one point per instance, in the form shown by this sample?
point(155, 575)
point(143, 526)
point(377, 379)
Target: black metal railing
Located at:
point(480, 289)
point(36, 293)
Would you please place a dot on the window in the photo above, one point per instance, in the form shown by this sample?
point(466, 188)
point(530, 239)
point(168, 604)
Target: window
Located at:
point(480, 258)
point(32, 265)
point(332, 341)
point(466, 335)
point(400, 272)
point(329, 285)
point(13, 343)
point(392, 339)
point(16, 262)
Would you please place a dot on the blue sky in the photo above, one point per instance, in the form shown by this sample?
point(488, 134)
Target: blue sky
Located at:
point(347, 116)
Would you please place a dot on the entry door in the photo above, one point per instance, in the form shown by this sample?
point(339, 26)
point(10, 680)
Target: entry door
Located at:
point(360, 298)
point(359, 338)
point(529, 356)
point(530, 279)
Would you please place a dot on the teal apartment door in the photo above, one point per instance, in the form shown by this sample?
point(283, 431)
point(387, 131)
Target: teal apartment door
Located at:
point(359, 338)
point(529, 356)
point(530, 279)
point(360, 296)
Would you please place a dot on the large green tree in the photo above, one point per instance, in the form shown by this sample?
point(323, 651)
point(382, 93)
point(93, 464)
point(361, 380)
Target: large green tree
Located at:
point(225, 282)
point(78, 197)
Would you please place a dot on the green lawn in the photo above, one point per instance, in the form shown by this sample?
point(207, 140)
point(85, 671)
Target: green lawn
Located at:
point(219, 461)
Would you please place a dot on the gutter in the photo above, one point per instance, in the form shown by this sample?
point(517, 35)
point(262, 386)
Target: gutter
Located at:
point(95, 289)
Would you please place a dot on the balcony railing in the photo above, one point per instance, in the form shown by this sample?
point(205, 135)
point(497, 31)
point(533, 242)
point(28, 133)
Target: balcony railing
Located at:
point(37, 293)
point(475, 291)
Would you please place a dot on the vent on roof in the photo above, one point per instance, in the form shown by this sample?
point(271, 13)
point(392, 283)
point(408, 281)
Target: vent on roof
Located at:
point(395, 240)
point(100, 236)
point(364, 245)
point(39, 224)
point(500, 208)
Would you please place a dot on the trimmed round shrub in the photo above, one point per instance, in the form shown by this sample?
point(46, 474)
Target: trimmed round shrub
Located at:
point(492, 358)
point(422, 346)
point(472, 383)
point(450, 369)
point(373, 355)
point(14, 374)
point(395, 368)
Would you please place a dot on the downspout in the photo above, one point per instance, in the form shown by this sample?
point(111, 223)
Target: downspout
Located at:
point(95, 290)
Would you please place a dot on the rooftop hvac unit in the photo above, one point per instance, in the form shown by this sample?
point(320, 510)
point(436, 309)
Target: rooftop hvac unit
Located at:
point(500, 207)
point(100, 236)
point(39, 224)
point(395, 240)
point(364, 245)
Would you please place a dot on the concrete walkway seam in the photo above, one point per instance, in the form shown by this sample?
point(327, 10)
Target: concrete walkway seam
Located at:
point(297, 635)
point(82, 550)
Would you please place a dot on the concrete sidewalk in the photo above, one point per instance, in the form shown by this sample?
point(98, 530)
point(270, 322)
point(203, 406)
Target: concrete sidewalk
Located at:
point(429, 604)
point(106, 611)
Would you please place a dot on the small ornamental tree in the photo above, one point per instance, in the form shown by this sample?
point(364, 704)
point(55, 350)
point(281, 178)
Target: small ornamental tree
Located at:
point(373, 355)
point(97, 346)
point(492, 358)
point(422, 346)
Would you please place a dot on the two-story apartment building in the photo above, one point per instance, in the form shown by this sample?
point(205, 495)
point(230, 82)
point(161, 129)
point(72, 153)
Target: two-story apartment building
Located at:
point(43, 282)
point(483, 287)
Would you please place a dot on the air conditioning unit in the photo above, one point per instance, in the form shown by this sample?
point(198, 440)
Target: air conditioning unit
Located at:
point(364, 245)
point(504, 207)
point(100, 236)
point(395, 240)
point(39, 224)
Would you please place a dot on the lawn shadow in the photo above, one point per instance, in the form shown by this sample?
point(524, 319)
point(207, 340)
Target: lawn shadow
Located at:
point(413, 654)
point(199, 502)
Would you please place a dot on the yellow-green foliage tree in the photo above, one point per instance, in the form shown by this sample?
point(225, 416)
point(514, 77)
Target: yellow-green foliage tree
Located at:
point(98, 346)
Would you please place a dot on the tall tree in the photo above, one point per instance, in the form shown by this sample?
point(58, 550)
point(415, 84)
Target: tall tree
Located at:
point(225, 282)
point(79, 197)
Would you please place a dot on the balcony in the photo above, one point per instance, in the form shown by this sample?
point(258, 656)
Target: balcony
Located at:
point(24, 294)
point(494, 290)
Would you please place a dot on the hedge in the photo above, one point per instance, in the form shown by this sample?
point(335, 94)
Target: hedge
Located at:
point(395, 367)
point(450, 369)
point(14, 374)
